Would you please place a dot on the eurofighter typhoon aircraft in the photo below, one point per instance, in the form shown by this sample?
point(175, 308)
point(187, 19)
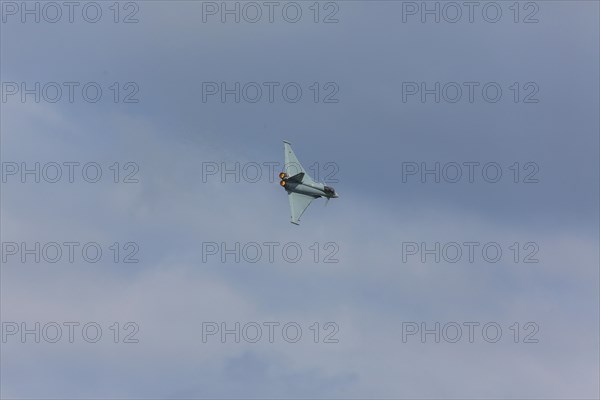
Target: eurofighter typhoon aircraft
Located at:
point(300, 187)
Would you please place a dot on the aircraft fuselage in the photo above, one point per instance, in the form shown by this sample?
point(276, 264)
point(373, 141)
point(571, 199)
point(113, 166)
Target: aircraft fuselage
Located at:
point(315, 189)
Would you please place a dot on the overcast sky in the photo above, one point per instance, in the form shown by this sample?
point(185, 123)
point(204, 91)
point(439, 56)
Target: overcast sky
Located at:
point(416, 166)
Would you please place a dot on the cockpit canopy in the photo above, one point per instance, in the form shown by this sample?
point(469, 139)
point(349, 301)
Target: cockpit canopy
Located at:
point(329, 190)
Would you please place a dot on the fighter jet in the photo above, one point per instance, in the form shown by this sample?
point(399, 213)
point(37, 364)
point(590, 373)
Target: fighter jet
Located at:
point(300, 187)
